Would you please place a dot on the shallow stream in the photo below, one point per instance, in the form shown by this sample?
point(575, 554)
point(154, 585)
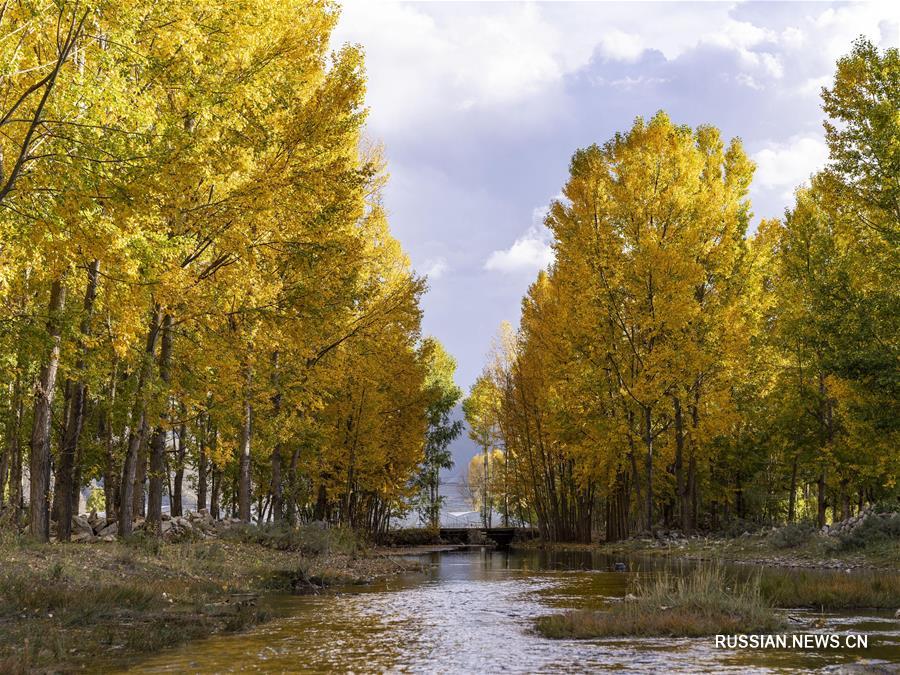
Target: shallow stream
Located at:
point(473, 611)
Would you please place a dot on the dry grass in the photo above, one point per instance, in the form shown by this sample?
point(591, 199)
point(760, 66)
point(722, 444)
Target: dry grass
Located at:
point(704, 602)
point(831, 590)
point(71, 606)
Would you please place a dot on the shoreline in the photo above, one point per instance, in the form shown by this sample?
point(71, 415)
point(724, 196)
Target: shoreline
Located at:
point(752, 550)
point(71, 606)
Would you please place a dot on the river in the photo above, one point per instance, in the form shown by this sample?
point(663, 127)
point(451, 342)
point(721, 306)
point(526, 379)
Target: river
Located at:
point(472, 612)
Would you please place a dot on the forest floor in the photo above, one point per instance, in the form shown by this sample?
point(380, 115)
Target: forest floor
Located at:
point(66, 607)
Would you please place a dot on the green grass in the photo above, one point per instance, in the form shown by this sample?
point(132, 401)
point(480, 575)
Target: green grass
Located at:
point(703, 602)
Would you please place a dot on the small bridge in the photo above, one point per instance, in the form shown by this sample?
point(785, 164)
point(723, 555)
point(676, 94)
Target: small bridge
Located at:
point(502, 536)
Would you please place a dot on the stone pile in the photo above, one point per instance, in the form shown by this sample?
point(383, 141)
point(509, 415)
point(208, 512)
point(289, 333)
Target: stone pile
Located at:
point(91, 528)
point(847, 526)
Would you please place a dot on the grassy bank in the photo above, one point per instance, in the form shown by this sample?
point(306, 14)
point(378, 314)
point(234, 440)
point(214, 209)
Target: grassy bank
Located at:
point(810, 575)
point(73, 606)
point(704, 602)
point(819, 590)
point(772, 549)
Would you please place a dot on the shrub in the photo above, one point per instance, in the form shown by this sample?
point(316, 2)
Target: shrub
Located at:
point(792, 535)
point(97, 500)
point(872, 530)
point(737, 527)
point(309, 539)
point(886, 506)
point(410, 536)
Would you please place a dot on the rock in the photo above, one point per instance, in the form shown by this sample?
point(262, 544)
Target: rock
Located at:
point(81, 525)
point(165, 526)
point(86, 537)
point(108, 537)
point(110, 530)
point(167, 516)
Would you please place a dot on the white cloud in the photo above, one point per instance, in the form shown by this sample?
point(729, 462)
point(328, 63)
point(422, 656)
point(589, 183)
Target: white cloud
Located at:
point(813, 86)
point(738, 35)
point(435, 268)
point(786, 165)
point(427, 60)
point(629, 83)
point(621, 46)
point(792, 37)
point(748, 81)
point(530, 252)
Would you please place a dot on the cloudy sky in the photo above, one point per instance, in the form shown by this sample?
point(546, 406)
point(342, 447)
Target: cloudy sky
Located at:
point(481, 105)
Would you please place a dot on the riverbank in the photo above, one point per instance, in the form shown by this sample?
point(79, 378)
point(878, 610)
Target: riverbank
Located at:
point(713, 599)
point(785, 569)
point(765, 548)
point(760, 549)
point(72, 606)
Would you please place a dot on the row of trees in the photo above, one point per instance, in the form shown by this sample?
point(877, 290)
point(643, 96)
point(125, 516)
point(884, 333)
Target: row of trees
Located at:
point(196, 271)
point(670, 369)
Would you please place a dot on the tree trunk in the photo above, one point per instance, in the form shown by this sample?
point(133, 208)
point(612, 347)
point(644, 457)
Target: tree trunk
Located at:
point(277, 483)
point(648, 430)
point(202, 470)
point(39, 526)
point(244, 475)
point(105, 431)
point(138, 498)
point(845, 503)
point(825, 420)
point(821, 501)
point(177, 506)
point(55, 507)
point(137, 431)
point(160, 435)
point(4, 470)
point(684, 506)
point(216, 475)
point(75, 420)
point(792, 499)
point(291, 505)
point(485, 516)
point(214, 494)
point(13, 452)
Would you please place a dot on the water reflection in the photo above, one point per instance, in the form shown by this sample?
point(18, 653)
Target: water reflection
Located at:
point(472, 613)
